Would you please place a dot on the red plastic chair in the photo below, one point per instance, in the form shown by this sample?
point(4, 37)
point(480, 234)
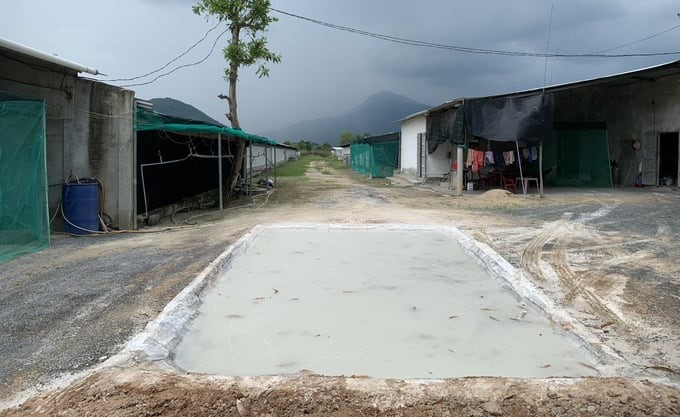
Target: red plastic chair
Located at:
point(509, 184)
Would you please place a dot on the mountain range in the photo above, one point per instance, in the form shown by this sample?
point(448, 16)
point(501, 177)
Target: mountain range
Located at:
point(379, 114)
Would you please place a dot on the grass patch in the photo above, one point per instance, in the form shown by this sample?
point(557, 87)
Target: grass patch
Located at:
point(297, 168)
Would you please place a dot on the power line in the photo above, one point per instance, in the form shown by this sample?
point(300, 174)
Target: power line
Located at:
point(464, 49)
point(159, 76)
point(172, 60)
point(639, 40)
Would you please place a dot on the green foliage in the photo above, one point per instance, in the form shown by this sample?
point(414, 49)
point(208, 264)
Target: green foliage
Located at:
point(351, 137)
point(246, 18)
point(347, 138)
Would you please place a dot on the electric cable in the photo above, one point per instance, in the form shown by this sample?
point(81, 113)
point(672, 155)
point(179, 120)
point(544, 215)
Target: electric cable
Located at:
point(639, 40)
point(464, 49)
point(171, 61)
point(159, 76)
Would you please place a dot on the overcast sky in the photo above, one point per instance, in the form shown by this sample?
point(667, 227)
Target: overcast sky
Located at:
point(325, 72)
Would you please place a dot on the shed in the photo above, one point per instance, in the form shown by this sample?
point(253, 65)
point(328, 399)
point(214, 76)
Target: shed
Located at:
point(620, 129)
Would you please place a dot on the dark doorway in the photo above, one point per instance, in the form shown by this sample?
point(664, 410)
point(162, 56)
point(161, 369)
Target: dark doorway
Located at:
point(668, 158)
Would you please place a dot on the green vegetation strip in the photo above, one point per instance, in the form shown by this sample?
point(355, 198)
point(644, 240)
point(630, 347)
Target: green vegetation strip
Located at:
point(299, 167)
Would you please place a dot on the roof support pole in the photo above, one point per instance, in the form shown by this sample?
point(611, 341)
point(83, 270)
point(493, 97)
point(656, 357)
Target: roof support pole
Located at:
point(540, 169)
point(219, 169)
point(521, 174)
point(459, 170)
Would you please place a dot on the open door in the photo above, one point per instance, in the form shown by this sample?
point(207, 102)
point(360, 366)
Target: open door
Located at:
point(650, 162)
point(669, 148)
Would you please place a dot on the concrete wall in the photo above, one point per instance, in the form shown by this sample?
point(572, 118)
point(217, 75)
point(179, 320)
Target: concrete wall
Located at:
point(89, 129)
point(409, 144)
point(630, 112)
point(439, 162)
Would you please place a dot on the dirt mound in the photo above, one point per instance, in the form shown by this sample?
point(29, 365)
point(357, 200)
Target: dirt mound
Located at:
point(136, 393)
point(496, 195)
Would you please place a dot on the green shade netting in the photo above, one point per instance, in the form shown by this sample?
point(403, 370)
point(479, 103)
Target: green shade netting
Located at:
point(377, 160)
point(24, 216)
point(147, 120)
point(581, 158)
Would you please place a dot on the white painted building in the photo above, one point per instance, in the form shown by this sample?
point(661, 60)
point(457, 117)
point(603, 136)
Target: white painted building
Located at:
point(416, 161)
point(260, 157)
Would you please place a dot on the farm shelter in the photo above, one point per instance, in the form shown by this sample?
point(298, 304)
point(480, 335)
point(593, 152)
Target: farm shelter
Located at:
point(89, 128)
point(179, 159)
point(615, 130)
point(262, 157)
point(24, 217)
point(376, 156)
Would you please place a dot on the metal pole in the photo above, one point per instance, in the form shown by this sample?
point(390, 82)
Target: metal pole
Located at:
point(459, 171)
point(219, 158)
point(540, 168)
point(519, 162)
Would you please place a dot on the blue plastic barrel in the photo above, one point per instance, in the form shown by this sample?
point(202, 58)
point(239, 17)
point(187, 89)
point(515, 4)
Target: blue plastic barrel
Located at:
point(80, 202)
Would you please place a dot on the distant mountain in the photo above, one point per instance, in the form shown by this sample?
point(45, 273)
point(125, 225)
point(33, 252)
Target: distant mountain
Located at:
point(171, 107)
point(377, 115)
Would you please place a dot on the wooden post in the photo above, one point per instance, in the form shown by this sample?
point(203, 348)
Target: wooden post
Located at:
point(459, 170)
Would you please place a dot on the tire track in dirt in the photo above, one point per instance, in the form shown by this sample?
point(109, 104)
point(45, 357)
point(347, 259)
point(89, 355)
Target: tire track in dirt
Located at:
point(549, 250)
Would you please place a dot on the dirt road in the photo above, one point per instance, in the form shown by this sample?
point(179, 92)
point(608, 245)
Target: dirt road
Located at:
point(607, 256)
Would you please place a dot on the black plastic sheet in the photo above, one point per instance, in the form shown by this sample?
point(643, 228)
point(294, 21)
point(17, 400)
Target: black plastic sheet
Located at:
point(508, 119)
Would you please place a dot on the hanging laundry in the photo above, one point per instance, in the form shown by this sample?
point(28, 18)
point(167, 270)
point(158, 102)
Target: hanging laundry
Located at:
point(470, 157)
point(525, 153)
point(479, 156)
point(489, 157)
point(533, 154)
point(509, 157)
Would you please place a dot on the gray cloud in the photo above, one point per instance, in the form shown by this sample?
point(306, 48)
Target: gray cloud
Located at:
point(325, 71)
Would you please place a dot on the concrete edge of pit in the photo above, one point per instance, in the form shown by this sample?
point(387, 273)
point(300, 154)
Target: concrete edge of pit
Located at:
point(161, 336)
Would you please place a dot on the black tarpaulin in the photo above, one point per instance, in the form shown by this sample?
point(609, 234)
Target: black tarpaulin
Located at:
point(445, 126)
point(508, 119)
point(439, 128)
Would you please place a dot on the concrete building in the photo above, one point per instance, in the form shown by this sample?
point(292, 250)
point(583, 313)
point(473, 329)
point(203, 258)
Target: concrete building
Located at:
point(416, 160)
point(89, 125)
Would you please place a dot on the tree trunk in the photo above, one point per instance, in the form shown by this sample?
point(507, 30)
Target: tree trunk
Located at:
point(237, 163)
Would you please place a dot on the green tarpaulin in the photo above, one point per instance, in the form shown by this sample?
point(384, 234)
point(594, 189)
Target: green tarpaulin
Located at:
point(147, 120)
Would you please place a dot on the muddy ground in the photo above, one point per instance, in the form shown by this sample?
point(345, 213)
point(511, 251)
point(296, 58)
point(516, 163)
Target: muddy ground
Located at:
point(609, 257)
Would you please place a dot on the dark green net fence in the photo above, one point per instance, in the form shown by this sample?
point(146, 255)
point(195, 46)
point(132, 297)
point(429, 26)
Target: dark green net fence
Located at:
point(24, 218)
point(580, 159)
point(376, 159)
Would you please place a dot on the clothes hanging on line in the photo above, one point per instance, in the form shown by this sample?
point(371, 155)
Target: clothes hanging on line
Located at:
point(488, 155)
point(509, 157)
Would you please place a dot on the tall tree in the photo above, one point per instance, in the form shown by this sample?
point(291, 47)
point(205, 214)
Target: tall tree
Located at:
point(247, 20)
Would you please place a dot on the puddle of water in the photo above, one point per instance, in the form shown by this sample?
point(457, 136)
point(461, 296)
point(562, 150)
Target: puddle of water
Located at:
point(383, 303)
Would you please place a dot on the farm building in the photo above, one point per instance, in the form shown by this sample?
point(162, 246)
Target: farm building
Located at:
point(615, 130)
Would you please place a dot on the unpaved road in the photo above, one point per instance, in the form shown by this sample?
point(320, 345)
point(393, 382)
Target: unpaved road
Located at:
point(609, 257)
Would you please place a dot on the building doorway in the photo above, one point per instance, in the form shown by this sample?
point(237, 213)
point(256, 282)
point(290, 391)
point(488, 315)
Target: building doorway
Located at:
point(668, 158)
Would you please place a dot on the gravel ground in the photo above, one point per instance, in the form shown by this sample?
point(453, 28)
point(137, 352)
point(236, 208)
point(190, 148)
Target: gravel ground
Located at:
point(75, 303)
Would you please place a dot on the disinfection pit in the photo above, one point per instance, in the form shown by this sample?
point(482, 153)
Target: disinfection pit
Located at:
point(380, 301)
